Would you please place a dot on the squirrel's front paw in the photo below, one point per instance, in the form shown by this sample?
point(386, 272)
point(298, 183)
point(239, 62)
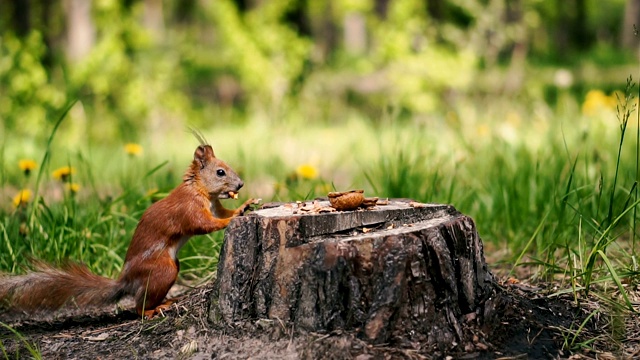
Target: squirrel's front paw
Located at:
point(247, 205)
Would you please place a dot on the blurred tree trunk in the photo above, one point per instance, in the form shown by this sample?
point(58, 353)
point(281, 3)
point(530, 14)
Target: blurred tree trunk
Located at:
point(329, 31)
point(21, 17)
point(355, 33)
point(184, 11)
point(579, 30)
point(561, 34)
point(435, 8)
point(514, 18)
point(571, 30)
point(153, 18)
point(246, 5)
point(297, 17)
point(631, 22)
point(80, 29)
point(381, 7)
point(324, 30)
point(48, 12)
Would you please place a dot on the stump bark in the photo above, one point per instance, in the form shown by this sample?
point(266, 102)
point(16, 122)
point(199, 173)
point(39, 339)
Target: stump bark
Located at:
point(404, 268)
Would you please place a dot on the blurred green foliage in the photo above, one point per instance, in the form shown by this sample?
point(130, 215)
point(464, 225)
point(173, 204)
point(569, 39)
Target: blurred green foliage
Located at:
point(27, 96)
point(201, 62)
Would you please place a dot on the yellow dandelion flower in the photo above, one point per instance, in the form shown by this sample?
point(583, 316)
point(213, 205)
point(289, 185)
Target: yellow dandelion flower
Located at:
point(133, 149)
point(63, 173)
point(307, 171)
point(72, 187)
point(597, 101)
point(22, 198)
point(483, 130)
point(27, 165)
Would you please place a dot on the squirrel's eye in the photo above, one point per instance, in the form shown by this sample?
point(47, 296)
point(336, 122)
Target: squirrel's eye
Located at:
point(221, 173)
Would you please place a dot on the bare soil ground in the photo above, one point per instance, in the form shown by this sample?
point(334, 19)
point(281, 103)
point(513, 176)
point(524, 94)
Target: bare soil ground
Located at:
point(531, 325)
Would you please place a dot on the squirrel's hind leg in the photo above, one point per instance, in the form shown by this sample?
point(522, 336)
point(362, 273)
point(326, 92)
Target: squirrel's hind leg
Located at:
point(151, 294)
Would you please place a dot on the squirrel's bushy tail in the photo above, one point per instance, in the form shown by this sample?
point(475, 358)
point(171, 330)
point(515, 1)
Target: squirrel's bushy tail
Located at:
point(50, 288)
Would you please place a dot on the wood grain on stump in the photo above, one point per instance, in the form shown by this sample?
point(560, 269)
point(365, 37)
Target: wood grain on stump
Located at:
point(401, 268)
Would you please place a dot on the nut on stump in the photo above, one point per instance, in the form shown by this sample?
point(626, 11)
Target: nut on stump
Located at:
point(346, 200)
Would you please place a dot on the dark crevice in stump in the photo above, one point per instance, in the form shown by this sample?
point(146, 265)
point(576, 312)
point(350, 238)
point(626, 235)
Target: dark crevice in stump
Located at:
point(406, 269)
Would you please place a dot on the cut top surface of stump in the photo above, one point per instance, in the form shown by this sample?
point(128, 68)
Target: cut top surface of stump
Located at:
point(311, 224)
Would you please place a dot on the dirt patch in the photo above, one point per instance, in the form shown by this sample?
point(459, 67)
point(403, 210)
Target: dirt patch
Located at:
point(530, 325)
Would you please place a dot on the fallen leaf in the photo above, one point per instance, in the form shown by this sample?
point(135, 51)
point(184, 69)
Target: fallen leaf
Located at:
point(101, 337)
point(189, 348)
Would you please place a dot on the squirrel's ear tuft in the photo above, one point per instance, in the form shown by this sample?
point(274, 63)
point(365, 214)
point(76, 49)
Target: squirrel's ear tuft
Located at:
point(203, 154)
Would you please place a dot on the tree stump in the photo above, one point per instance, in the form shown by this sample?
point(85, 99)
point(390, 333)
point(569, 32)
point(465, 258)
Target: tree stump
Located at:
point(402, 268)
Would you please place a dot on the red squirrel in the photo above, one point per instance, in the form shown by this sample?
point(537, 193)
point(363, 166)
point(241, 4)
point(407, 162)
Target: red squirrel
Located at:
point(151, 264)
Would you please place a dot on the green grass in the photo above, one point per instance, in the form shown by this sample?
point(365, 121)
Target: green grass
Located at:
point(548, 188)
point(30, 348)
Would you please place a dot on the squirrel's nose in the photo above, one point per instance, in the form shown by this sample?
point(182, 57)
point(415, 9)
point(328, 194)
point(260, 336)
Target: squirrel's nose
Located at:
point(240, 185)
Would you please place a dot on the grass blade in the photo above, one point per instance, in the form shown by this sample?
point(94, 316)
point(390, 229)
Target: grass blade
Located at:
point(531, 240)
point(158, 167)
point(600, 245)
point(582, 325)
point(31, 348)
point(45, 158)
point(616, 279)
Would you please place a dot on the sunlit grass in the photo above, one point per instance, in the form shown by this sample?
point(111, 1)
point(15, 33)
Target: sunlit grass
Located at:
point(548, 188)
